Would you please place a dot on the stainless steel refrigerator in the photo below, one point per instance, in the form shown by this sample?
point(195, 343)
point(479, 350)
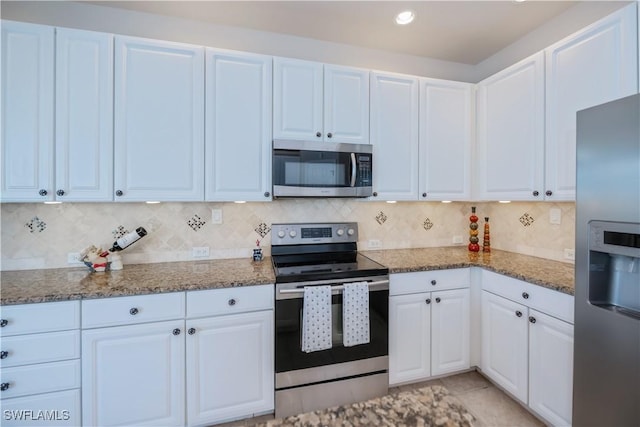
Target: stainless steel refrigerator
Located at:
point(606, 383)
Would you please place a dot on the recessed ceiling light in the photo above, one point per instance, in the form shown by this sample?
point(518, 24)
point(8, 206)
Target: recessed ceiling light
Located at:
point(405, 17)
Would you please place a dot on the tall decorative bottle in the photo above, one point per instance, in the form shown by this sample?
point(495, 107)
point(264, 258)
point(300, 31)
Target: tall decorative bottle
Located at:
point(486, 242)
point(473, 231)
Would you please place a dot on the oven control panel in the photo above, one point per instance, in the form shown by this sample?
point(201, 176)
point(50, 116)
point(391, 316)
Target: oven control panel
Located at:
point(313, 233)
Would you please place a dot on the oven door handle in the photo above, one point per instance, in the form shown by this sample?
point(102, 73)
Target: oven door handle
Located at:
point(333, 288)
point(353, 169)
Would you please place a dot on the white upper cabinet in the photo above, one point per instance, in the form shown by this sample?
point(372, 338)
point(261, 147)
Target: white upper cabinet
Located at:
point(445, 139)
point(238, 126)
point(510, 133)
point(394, 136)
point(594, 66)
point(159, 121)
point(316, 102)
point(84, 116)
point(346, 104)
point(27, 112)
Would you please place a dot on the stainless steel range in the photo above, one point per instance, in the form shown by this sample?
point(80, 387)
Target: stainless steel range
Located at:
point(306, 255)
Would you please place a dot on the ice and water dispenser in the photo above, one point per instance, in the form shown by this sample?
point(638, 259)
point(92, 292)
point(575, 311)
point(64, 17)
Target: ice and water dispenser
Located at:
point(614, 267)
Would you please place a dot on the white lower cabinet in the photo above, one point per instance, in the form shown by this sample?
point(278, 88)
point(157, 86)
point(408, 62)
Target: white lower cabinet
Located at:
point(229, 367)
point(526, 351)
point(134, 375)
point(144, 364)
point(40, 364)
point(428, 331)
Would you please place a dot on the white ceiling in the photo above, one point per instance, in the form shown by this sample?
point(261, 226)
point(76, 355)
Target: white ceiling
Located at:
point(458, 31)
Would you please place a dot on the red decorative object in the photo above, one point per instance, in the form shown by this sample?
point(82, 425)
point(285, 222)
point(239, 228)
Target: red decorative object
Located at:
point(473, 231)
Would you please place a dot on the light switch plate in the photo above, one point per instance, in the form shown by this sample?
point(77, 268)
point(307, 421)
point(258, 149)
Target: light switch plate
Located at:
point(216, 216)
point(555, 216)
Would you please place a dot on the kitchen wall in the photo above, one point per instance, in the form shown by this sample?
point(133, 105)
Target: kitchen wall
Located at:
point(40, 236)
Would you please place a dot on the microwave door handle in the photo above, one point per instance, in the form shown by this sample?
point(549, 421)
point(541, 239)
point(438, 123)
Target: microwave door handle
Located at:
point(353, 169)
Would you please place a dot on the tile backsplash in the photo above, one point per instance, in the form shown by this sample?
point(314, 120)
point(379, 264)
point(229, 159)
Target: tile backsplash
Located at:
point(38, 236)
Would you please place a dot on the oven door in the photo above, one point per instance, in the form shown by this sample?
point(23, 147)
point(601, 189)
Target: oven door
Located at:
point(311, 169)
point(289, 312)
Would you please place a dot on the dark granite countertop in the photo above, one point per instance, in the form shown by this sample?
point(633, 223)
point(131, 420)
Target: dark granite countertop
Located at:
point(555, 275)
point(32, 286)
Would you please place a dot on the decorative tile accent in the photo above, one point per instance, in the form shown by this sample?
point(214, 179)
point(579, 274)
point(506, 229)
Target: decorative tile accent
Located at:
point(36, 224)
point(381, 218)
point(196, 222)
point(262, 229)
point(526, 219)
point(427, 224)
point(119, 232)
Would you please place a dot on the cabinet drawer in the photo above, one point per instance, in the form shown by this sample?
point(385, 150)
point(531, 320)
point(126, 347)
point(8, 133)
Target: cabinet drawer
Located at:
point(131, 310)
point(229, 300)
point(41, 378)
point(62, 409)
point(43, 317)
point(428, 281)
point(553, 303)
point(40, 348)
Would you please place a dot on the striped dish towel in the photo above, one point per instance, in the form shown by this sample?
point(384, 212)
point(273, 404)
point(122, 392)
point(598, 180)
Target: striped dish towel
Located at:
point(355, 314)
point(316, 318)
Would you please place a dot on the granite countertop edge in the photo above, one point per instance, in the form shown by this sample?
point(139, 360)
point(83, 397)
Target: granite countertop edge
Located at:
point(54, 285)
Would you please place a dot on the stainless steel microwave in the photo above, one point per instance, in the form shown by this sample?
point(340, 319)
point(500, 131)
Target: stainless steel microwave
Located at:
point(321, 169)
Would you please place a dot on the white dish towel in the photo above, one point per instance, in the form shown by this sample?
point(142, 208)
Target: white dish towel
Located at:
point(355, 314)
point(316, 318)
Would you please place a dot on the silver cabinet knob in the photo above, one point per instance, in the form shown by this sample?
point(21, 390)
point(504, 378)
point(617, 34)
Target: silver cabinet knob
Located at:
point(519, 313)
point(3, 323)
point(532, 319)
point(428, 300)
point(549, 193)
point(119, 193)
point(329, 135)
point(525, 295)
point(60, 192)
point(4, 354)
point(232, 302)
point(176, 331)
point(133, 311)
point(433, 282)
point(318, 134)
point(191, 331)
point(438, 300)
point(536, 193)
point(4, 386)
point(43, 192)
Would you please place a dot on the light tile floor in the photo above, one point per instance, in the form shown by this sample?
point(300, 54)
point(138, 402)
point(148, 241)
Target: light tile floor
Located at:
point(490, 405)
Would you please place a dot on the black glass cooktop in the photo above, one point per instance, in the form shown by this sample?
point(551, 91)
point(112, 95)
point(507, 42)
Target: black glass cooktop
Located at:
point(326, 266)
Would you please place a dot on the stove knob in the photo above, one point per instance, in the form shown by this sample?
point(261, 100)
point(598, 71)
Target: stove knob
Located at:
point(351, 232)
point(292, 233)
point(281, 234)
point(340, 232)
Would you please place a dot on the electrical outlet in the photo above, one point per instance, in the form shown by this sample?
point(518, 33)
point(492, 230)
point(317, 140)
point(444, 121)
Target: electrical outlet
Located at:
point(570, 254)
point(216, 216)
point(374, 243)
point(200, 252)
point(457, 240)
point(73, 258)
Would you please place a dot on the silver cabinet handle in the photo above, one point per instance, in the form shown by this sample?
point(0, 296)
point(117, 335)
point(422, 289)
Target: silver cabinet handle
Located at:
point(353, 170)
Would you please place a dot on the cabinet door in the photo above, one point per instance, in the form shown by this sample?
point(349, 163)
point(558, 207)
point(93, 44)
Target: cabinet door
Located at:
point(594, 66)
point(134, 375)
point(230, 367)
point(445, 140)
point(510, 145)
point(84, 116)
point(297, 100)
point(450, 331)
point(27, 112)
point(505, 344)
point(550, 368)
point(394, 136)
point(62, 406)
point(159, 120)
point(238, 127)
point(346, 105)
point(409, 337)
